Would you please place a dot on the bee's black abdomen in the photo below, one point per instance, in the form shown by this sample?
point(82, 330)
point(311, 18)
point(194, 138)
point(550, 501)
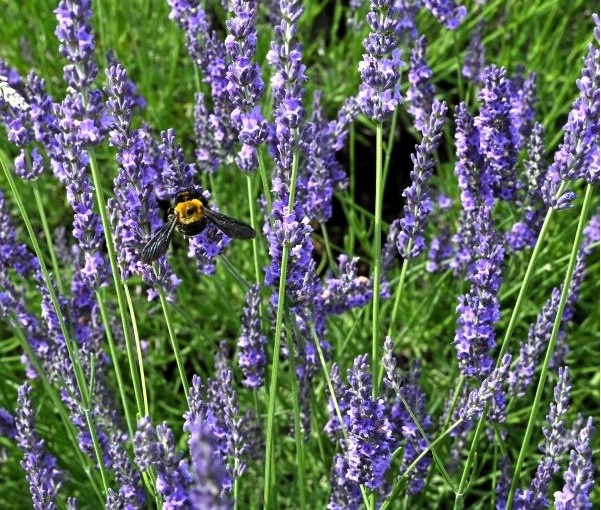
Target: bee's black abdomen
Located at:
point(192, 229)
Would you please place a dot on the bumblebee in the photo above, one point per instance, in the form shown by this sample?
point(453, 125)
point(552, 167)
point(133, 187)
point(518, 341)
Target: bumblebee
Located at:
point(190, 214)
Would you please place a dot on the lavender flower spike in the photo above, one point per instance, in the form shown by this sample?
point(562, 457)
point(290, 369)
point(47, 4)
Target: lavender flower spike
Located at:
point(479, 397)
point(40, 466)
point(418, 206)
point(252, 357)
point(379, 93)
point(447, 12)
point(420, 94)
point(579, 477)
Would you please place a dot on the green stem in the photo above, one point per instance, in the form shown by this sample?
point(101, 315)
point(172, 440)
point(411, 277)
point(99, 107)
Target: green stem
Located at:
point(269, 480)
point(389, 144)
point(114, 359)
point(174, 343)
point(377, 255)
point(265, 182)
point(134, 325)
point(298, 439)
point(550, 347)
point(48, 236)
point(110, 248)
point(253, 224)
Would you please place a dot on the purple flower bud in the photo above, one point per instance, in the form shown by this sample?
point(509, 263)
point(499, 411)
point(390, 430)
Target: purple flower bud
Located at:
point(40, 467)
point(447, 12)
point(579, 477)
point(420, 94)
point(481, 396)
point(348, 291)
point(475, 59)
point(251, 344)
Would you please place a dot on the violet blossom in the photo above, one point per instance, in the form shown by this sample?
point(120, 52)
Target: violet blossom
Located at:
point(447, 12)
point(252, 357)
point(475, 58)
point(420, 94)
point(379, 93)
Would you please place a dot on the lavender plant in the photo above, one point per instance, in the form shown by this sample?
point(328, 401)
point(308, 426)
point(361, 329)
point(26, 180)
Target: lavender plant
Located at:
point(309, 387)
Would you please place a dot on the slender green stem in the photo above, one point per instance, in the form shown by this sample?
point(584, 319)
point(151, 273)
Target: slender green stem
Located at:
point(328, 246)
point(392, 497)
point(550, 347)
point(113, 352)
point(377, 255)
point(253, 224)
point(265, 182)
point(174, 343)
point(273, 385)
point(389, 145)
point(298, 438)
point(110, 248)
point(48, 236)
point(234, 272)
point(134, 325)
point(399, 293)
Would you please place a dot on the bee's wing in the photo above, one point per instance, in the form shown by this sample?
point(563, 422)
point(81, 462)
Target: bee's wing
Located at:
point(231, 227)
point(158, 245)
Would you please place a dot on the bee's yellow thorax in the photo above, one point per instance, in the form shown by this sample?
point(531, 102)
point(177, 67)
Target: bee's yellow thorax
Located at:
point(189, 211)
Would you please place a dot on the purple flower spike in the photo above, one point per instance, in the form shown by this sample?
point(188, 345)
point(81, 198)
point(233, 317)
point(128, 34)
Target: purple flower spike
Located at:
point(578, 155)
point(74, 31)
point(42, 473)
point(579, 477)
point(379, 94)
point(251, 344)
point(479, 397)
point(370, 437)
point(447, 12)
point(554, 446)
point(208, 470)
point(418, 206)
point(420, 94)
point(348, 291)
point(499, 137)
point(475, 59)
point(346, 494)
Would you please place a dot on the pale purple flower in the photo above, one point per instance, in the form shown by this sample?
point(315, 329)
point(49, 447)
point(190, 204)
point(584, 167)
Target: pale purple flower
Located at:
point(40, 467)
point(579, 477)
point(368, 450)
point(130, 491)
point(379, 93)
point(522, 96)
point(475, 58)
point(420, 95)
point(252, 357)
point(207, 468)
point(74, 31)
point(503, 483)
point(447, 12)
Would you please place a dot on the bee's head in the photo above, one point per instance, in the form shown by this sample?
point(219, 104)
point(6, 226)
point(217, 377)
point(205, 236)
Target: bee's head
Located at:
point(187, 195)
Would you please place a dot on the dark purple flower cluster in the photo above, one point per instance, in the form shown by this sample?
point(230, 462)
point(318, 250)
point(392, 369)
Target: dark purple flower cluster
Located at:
point(252, 357)
point(499, 140)
point(131, 493)
point(418, 206)
point(420, 94)
point(447, 12)
point(346, 494)
point(324, 175)
point(154, 448)
point(578, 155)
point(379, 93)
point(346, 292)
point(408, 404)
point(536, 495)
point(580, 476)
point(40, 467)
point(479, 308)
point(369, 444)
